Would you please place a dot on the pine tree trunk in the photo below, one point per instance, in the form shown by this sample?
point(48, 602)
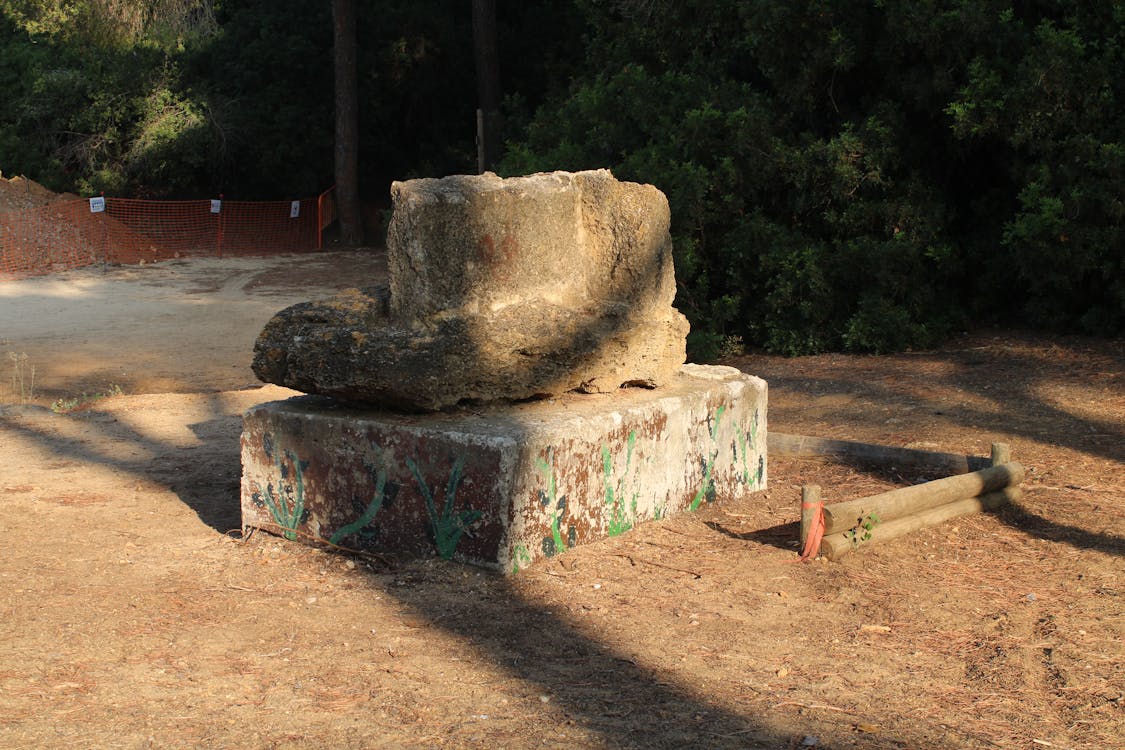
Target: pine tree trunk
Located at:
point(347, 123)
point(488, 81)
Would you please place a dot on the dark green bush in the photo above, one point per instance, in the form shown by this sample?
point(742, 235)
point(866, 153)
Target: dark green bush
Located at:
point(861, 176)
point(797, 240)
point(850, 175)
point(1055, 100)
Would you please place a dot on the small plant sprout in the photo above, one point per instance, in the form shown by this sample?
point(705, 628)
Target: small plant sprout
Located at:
point(861, 532)
point(23, 377)
point(67, 405)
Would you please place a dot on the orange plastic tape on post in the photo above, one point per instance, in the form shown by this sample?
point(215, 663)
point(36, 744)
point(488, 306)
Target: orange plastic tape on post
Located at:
point(812, 521)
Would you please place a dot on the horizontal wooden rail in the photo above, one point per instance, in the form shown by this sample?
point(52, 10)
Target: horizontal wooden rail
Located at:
point(888, 506)
point(977, 484)
point(835, 546)
point(782, 444)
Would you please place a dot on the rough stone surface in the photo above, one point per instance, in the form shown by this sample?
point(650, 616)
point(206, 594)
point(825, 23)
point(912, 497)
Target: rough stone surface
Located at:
point(504, 486)
point(499, 289)
point(479, 243)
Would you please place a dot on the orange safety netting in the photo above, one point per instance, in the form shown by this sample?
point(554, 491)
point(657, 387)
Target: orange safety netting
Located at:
point(72, 233)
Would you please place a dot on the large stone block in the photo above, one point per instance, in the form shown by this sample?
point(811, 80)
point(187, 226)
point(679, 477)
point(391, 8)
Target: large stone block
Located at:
point(479, 243)
point(503, 486)
point(499, 289)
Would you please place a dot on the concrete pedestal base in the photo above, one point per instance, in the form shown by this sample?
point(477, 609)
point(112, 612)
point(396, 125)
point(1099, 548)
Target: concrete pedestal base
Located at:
point(504, 485)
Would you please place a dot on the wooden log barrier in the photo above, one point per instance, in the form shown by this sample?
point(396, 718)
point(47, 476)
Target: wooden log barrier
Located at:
point(978, 484)
point(888, 506)
point(835, 546)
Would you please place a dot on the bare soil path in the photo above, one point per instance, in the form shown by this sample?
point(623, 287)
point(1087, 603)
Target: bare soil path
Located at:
point(130, 618)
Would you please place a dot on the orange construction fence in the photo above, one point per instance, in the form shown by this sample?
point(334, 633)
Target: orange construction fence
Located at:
point(74, 233)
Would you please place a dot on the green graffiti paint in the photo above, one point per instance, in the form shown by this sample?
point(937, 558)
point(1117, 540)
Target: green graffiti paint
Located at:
point(520, 556)
point(287, 506)
point(553, 544)
point(707, 488)
point(448, 525)
point(622, 515)
point(744, 448)
point(741, 453)
point(368, 514)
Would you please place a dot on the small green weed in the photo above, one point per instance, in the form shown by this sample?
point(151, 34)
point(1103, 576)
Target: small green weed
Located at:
point(67, 405)
point(23, 377)
point(861, 532)
point(732, 346)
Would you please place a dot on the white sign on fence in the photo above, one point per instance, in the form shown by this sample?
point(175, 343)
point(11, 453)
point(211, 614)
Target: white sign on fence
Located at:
point(216, 206)
point(294, 209)
point(97, 205)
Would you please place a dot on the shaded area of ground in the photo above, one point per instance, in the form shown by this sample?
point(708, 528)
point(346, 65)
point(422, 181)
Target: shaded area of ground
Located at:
point(130, 620)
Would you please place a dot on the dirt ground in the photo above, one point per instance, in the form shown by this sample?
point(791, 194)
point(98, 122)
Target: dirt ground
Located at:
point(132, 615)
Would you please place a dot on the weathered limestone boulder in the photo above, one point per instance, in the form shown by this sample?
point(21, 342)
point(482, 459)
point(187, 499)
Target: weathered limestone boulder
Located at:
point(499, 289)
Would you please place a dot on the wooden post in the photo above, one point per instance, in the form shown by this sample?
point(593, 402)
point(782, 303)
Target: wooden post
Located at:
point(835, 546)
point(1001, 454)
point(810, 500)
point(480, 141)
point(219, 232)
point(839, 517)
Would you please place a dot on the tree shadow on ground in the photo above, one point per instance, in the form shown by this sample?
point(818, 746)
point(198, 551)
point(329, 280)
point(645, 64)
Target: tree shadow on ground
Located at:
point(1042, 528)
point(199, 485)
point(782, 535)
point(1009, 380)
point(1002, 386)
point(600, 688)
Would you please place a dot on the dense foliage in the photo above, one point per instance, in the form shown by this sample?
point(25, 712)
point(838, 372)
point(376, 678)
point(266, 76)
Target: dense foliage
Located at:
point(197, 97)
point(94, 98)
point(863, 175)
point(857, 174)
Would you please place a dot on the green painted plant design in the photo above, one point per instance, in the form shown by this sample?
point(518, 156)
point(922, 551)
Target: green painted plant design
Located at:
point(621, 518)
point(550, 498)
point(449, 524)
point(745, 447)
point(287, 505)
point(707, 488)
point(520, 556)
point(368, 514)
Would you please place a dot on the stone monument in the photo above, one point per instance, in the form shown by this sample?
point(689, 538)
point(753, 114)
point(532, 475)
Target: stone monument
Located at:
point(518, 388)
